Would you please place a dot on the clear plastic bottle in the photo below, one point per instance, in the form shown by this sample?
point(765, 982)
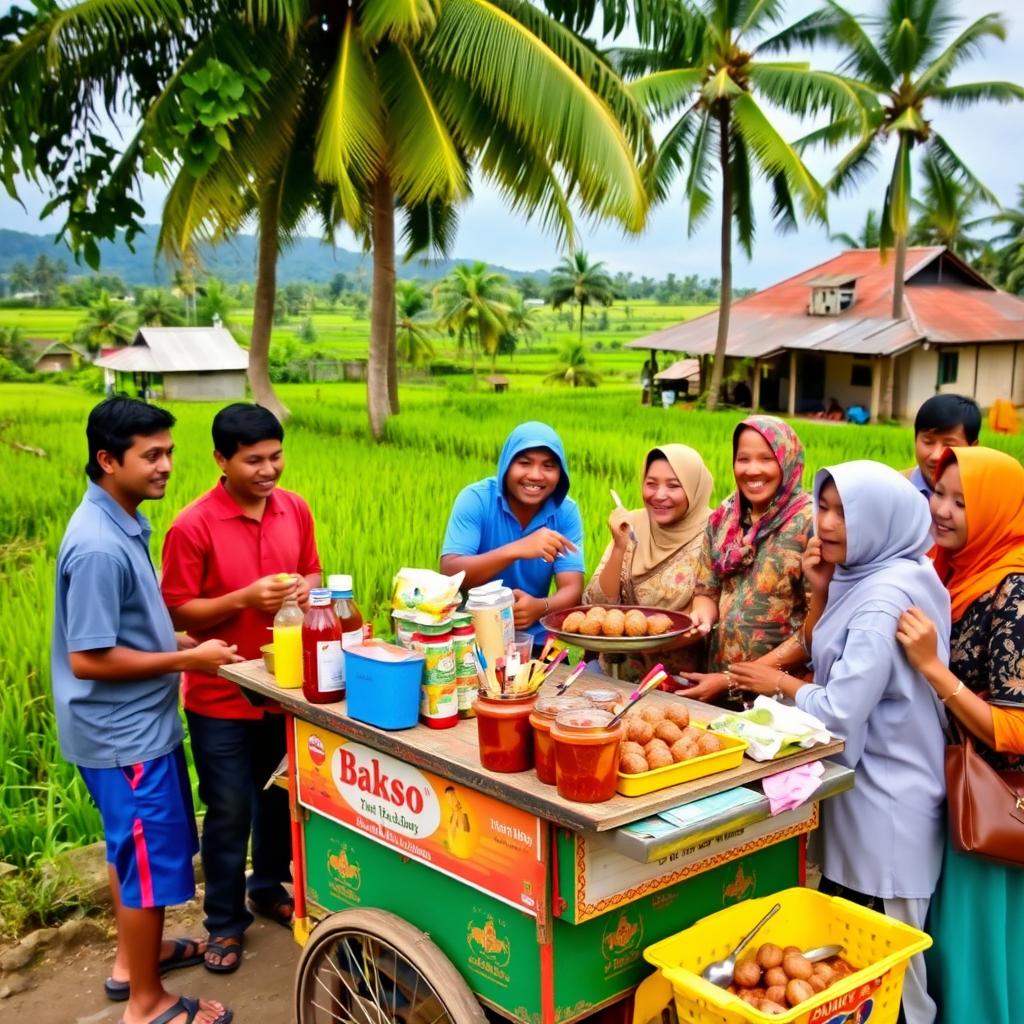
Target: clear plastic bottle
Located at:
point(353, 630)
point(323, 662)
point(288, 644)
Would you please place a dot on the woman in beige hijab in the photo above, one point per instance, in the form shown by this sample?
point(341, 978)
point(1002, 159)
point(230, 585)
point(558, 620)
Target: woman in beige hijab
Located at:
point(654, 551)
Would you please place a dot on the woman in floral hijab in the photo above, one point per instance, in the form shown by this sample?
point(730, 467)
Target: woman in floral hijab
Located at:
point(750, 580)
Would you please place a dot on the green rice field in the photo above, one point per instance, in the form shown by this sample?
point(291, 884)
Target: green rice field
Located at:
point(341, 334)
point(377, 507)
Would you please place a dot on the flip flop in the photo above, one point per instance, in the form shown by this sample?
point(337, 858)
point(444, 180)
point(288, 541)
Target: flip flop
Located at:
point(223, 945)
point(118, 991)
point(274, 911)
point(191, 1008)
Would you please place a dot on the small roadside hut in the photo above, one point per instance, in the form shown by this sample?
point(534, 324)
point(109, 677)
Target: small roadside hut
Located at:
point(186, 363)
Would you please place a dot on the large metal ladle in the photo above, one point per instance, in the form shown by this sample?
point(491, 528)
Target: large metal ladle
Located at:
point(720, 971)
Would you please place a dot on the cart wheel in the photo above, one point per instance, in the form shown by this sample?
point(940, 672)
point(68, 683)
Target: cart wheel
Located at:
point(371, 967)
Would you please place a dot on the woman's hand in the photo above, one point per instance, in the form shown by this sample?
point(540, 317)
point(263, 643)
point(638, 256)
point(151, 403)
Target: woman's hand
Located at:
point(816, 571)
point(704, 685)
point(757, 677)
point(920, 641)
point(703, 614)
point(620, 523)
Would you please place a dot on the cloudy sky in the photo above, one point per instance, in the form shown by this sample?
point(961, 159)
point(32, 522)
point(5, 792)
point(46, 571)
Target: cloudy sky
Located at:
point(989, 137)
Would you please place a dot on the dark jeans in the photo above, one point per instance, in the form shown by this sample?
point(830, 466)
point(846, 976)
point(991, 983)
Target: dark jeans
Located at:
point(234, 759)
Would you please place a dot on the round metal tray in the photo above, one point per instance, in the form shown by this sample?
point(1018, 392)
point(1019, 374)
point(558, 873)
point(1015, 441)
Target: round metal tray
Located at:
point(617, 644)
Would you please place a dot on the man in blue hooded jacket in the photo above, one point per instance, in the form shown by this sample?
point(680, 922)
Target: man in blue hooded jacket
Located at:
point(521, 527)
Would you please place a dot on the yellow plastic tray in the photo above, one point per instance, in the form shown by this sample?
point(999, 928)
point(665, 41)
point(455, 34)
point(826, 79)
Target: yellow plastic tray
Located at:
point(729, 756)
point(876, 944)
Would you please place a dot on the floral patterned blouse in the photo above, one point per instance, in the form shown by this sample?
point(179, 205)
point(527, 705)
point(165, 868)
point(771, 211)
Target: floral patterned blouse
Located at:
point(763, 604)
point(660, 588)
point(987, 654)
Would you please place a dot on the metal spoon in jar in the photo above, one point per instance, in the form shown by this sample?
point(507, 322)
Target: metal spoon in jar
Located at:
point(720, 971)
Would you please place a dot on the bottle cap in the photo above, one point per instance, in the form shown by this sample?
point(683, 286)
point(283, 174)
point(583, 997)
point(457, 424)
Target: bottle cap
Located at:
point(340, 584)
point(319, 596)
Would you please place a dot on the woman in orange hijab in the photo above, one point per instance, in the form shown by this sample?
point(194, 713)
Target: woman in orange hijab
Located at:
point(978, 524)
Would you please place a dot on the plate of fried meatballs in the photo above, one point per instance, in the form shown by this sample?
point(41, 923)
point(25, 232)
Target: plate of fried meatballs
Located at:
point(616, 627)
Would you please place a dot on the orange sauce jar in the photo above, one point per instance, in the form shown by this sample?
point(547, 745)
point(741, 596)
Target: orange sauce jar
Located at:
point(543, 717)
point(586, 755)
point(503, 728)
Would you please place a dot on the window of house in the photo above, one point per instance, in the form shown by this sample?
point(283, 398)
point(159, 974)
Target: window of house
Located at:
point(860, 375)
point(949, 367)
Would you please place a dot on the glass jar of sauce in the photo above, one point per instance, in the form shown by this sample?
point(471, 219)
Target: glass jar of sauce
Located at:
point(543, 717)
point(586, 755)
point(503, 727)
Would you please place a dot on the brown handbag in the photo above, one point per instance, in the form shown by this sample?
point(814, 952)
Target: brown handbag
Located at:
point(986, 806)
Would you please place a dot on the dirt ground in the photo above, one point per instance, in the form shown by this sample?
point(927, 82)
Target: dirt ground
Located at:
point(67, 987)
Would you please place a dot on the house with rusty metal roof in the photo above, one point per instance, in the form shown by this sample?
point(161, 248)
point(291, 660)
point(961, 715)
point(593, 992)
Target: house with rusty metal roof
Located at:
point(198, 364)
point(828, 333)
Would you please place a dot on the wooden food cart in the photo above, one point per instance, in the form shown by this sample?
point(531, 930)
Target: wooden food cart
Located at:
point(533, 907)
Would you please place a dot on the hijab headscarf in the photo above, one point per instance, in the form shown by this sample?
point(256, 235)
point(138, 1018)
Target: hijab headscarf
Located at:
point(655, 543)
point(993, 488)
point(888, 535)
point(732, 546)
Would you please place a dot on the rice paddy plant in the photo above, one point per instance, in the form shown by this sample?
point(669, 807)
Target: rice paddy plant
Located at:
point(377, 508)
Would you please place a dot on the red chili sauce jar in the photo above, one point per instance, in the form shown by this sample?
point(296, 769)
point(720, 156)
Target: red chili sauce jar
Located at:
point(586, 755)
point(503, 727)
point(543, 717)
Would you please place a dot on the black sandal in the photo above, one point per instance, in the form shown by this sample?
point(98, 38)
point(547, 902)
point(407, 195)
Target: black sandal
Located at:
point(189, 1007)
point(222, 946)
point(118, 991)
point(281, 911)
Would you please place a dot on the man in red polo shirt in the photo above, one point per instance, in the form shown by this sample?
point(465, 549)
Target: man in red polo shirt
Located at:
point(221, 561)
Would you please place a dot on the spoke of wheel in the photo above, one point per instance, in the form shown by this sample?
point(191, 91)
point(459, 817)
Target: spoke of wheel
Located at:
point(344, 981)
point(364, 961)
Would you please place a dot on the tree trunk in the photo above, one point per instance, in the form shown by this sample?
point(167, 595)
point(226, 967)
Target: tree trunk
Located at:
point(382, 305)
point(263, 305)
point(725, 292)
point(581, 324)
point(393, 367)
point(897, 277)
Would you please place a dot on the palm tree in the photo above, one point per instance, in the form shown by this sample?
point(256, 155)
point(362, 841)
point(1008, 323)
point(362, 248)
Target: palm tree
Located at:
point(158, 308)
point(19, 277)
point(414, 324)
point(1008, 248)
point(578, 282)
point(702, 67)
point(474, 302)
point(373, 112)
point(573, 369)
point(945, 214)
point(107, 323)
point(214, 304)
point(868, 238)
point(14, 347)
point(523, 323)
point(905, 55)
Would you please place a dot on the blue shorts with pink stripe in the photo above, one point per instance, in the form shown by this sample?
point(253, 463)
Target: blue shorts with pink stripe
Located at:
point(149, 824)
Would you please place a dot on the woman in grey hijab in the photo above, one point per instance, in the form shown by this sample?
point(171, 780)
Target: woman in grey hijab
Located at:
point(883, 839)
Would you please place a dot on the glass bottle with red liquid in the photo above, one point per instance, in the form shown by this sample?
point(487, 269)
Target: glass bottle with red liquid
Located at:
point(323, 662)
point(353, 629)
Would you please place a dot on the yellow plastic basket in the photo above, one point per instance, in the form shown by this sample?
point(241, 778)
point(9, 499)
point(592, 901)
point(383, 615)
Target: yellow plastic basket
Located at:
point(879, 946)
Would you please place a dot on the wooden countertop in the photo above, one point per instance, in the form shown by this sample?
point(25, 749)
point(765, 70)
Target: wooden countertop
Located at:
point(454, 754)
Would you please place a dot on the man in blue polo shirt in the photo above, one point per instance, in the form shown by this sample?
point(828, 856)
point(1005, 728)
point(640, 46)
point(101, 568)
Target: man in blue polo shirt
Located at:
point(521, 527)
point(115, 665)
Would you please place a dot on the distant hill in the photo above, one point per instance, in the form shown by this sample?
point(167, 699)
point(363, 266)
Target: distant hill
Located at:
point(308, 259)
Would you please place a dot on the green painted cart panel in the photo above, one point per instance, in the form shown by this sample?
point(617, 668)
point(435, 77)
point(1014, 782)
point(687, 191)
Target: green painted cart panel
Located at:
point(494, 945)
